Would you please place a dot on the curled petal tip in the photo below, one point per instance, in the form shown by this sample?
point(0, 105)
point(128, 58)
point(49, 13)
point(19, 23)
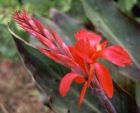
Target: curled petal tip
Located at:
point(66, 82)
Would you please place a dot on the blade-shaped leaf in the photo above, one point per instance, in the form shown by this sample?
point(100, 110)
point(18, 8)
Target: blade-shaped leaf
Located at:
point(117, 28)
point(126, 5)
point(123, 101)
point(138, 94)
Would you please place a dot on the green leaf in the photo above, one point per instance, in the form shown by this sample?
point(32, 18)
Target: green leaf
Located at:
point(123, 101)
point(43, 6)
point(126, 5)
point(118, 28)
point(138, 94)
point(76, 10)
point(6, 42)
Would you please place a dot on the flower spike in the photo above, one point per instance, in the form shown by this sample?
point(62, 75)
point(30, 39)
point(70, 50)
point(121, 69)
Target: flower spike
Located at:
point(81, 58)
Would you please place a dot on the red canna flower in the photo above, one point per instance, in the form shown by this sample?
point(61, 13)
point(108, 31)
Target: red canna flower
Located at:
point(86, 52)
point(82, 58)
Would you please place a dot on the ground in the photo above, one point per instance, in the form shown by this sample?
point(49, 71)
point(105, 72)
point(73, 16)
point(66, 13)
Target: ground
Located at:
point(18, 93)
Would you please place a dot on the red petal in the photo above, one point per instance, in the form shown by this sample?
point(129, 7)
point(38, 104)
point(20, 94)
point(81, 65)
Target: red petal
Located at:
point(77, 57)
point(66, 83)
point(82, 94)
point(40, 26)
point(79, 79)
point(104, 78)
point(42, 30)
point(82, 46)
point(45, 41)
point(116, 55)
point(91, 74)
point(59, 58)
point(59, 41)
point(83, 49)
point(91, 36)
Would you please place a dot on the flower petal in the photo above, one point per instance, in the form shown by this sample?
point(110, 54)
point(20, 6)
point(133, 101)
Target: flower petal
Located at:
point(77, 57)
point(45, 41)
point(91, 74)
point(116, 55)
point(91, 36)
point(66, 83)
point(82, 94)
point(59, 58)
point(58, 40)
point(79, 79)
point(82, 47)
point(104, 78)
